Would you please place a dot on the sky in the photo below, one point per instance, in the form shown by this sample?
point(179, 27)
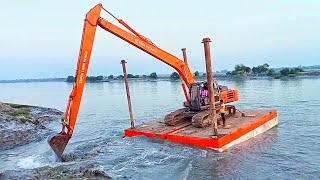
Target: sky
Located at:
point(41, 39)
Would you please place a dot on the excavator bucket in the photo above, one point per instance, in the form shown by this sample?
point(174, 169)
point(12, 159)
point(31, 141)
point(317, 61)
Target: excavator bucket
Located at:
point(58, 143)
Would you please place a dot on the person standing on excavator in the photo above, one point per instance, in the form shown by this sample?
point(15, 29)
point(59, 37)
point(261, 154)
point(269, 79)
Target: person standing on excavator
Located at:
point(223, 113)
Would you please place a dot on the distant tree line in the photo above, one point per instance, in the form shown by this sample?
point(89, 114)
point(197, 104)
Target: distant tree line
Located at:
point(175, 76)
point(290, 71)
point(94, 78)
point(89, 78)
point(241, 69)
point(131, 76)
point(112, 77)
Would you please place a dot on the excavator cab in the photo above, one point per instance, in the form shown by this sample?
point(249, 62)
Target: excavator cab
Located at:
point(198, 103)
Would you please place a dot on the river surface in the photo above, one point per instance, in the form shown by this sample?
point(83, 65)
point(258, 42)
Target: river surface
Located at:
point(289, 151)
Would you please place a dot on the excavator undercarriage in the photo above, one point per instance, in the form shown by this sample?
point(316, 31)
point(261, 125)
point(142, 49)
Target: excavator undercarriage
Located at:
point(199, 119)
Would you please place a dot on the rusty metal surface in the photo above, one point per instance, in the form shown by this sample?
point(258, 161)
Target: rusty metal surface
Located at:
point(184, 53)
point(202, 119)
point(206, 44)
point(159, 127)
point(58, 143)
point(123, 62)
point(175, 117)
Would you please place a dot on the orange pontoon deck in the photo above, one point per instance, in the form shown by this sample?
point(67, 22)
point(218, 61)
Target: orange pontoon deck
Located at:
point(243, 128)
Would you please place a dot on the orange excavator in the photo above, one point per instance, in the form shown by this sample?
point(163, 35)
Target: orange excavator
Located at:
point(195, 108)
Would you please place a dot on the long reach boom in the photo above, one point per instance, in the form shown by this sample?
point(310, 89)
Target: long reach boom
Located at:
point(93, 19)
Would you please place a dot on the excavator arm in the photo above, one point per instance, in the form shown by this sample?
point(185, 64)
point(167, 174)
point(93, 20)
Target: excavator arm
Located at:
point(93, 19)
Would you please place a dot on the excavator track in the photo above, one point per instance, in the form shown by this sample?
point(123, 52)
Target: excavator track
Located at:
point(176, 117)
point(202, 119)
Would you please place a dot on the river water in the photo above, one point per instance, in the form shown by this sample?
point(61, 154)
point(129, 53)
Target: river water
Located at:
point(289, 151)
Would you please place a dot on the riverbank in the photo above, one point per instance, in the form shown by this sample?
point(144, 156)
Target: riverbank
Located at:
point(22, 124)
point(60, 172)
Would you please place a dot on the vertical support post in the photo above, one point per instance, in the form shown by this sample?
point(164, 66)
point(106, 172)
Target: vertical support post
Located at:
point(123, 62)
point(206, 43)
point(184, 53)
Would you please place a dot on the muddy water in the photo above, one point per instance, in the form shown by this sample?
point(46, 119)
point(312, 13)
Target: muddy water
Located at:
point(287, 152)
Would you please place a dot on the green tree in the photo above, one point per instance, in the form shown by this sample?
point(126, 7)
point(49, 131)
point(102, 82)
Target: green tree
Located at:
point(254, 70)
point(196, 74)
point(240, 69)
point(285, 72)
point(299, 69)
point(90, 78)
point(144, 76)
point(271, 72)
point(136, 76)
point(293, 71)
point(247, 69)
point(261, 68)
point(153, 75)
point(70, 79)
point(174, 76)
point(130, 76)
point(99, 78)
point(110, 77)
point(120, 77)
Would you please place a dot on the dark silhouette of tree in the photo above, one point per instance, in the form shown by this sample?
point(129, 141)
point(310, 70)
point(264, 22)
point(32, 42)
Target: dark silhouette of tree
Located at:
point(120, 77)
point(240, 69)
point(254, 70)
point(174, 76)
point(98, 78)
point(290, 71)
point(271, 72)
point(285, 72)
point(110, 77)
point(70, 79)
point(130, 76)
point(196, 74)
point(247, 69)
point(261, 68)
point(295, 70)
point(153, 75)
point(90, 78)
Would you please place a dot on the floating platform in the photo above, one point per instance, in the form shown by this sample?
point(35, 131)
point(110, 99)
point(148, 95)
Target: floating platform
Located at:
point(242, 128)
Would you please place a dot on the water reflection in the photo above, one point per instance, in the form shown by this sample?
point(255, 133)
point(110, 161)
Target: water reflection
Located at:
point(240, 82)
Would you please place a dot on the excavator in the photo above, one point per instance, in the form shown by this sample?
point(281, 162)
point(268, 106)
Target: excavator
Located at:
point(194, 107)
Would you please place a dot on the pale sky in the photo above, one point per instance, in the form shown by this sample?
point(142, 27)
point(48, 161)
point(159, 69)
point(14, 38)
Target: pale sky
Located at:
point(41, 39)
